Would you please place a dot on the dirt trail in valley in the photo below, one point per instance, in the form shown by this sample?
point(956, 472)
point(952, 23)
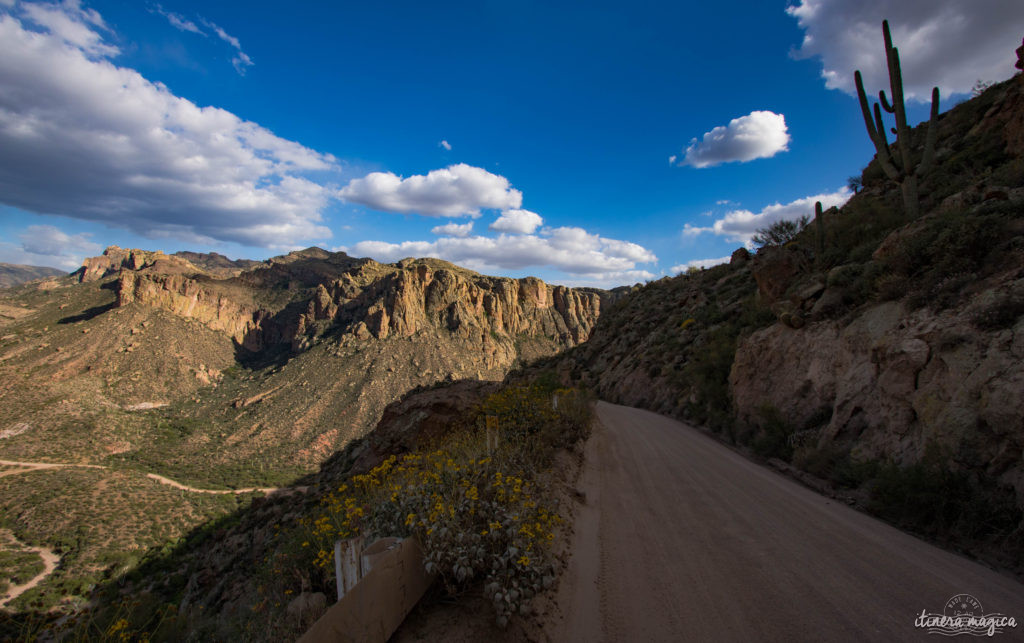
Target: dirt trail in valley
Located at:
point(681, 538)
point(34, 466)
point(50, 562)
point(178, 485)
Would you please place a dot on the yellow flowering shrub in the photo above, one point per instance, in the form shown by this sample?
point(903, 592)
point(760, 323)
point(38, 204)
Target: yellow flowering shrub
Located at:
point(479, 515)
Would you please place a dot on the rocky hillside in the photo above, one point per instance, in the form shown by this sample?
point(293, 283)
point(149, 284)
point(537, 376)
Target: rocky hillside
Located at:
point(891, 363)
point(15, 274)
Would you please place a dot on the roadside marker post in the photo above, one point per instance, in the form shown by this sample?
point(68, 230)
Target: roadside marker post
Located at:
point(347, 554)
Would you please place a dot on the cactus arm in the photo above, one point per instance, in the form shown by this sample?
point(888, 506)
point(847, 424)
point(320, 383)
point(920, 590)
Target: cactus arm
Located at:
point(819, 235)
point(892, 61)
point(902, 131)
point(885, 103)
point(865, 109)
point(933, 128)
point(877, 134)
point(885, 159)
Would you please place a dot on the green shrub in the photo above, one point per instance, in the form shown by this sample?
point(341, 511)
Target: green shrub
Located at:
point(835, 464)
point(930, 498)
point(949, 252)
point(771, 440)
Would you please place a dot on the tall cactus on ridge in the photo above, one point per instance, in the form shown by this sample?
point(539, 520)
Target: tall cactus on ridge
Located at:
point(819, 236)
point(901, 168)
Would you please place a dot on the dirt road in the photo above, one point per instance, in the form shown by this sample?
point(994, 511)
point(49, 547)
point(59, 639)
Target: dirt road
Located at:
point(681, 538)
point(33, 466)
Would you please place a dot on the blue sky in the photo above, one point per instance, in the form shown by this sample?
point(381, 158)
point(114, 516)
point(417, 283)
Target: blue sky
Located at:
point(385, 130)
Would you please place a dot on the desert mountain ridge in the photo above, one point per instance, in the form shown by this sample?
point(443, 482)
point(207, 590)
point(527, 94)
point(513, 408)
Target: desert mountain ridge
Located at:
point(16, 274)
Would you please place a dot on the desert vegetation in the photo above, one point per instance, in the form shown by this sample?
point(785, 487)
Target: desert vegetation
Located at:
point(486, 512)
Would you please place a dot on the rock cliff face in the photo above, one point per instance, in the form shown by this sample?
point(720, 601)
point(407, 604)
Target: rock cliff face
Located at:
point(894, 381)
point(191, 298)
point(358, 297)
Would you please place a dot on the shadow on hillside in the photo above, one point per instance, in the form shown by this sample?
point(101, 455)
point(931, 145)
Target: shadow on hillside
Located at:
point(268, 344)
point(95, 311)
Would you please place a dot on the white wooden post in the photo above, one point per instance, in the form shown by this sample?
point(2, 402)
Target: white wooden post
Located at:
point(337, 569)
point(347, 554)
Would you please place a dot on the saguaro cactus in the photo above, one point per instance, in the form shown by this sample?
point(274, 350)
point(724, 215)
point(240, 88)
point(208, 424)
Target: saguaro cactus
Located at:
point(819, 235)
point(901, 168)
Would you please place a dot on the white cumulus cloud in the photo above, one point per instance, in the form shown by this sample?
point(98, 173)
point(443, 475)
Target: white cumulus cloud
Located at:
point(46, 245)
point(741, 225)
point(82, 137)
point(455, 191)
point(72, 24)
point(453, 229)
point(950, 44)
point(586, 257)
point(517, 222)
point(699, 263)
point(758, 135)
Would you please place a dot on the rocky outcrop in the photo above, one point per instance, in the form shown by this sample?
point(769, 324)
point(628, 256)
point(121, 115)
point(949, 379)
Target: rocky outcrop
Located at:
point(775, 268)
point(190, 298)
point(894, 381)
point(1006, 116)
point(421, 416)
point(115, 259)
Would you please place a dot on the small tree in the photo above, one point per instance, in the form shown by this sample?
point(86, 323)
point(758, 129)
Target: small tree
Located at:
point(979, 87)
point(779, 233)
point(855, 183)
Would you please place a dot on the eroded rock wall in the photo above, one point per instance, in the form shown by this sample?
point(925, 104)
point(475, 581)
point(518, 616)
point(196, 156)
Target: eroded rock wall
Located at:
point(893, 381)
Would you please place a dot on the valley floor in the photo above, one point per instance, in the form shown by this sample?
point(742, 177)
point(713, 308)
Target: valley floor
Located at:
point(681, 538)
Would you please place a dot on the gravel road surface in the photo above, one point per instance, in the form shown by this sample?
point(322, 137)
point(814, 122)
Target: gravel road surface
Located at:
point(681, 538)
